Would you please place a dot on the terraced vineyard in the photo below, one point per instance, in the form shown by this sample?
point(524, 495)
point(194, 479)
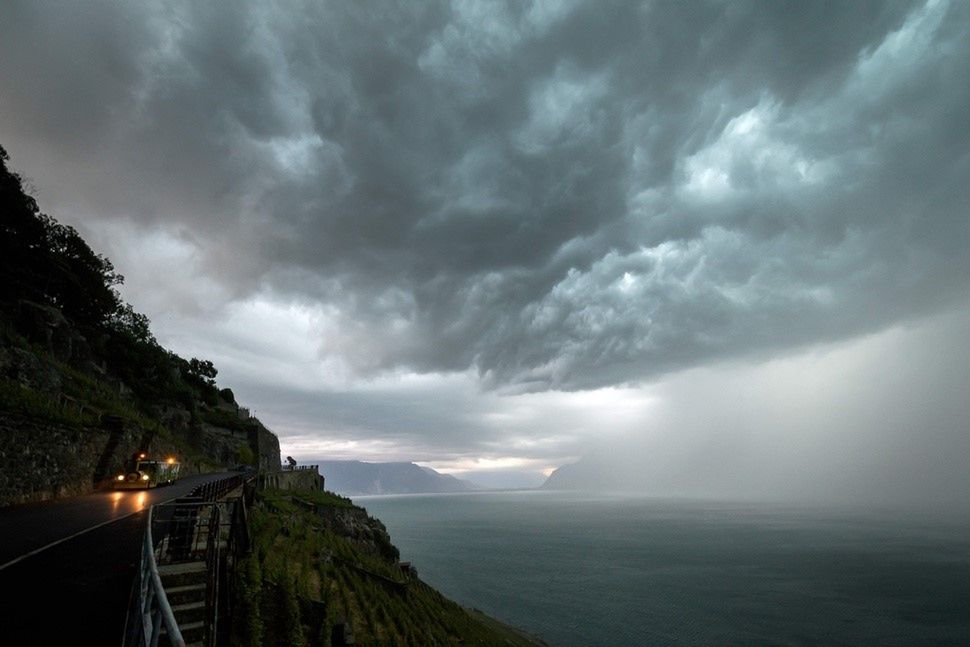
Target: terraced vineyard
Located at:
point(321, 569)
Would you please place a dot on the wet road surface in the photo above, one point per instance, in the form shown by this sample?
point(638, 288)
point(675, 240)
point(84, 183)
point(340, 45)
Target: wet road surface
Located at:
point(77, 590)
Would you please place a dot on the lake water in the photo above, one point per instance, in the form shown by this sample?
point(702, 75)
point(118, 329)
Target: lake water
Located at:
point(600, 570)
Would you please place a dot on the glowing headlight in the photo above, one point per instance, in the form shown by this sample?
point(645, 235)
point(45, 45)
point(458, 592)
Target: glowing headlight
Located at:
point(120, 477)
point(144, 477)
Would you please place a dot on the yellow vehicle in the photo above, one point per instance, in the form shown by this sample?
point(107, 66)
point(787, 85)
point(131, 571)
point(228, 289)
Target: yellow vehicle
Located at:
point(144, 472)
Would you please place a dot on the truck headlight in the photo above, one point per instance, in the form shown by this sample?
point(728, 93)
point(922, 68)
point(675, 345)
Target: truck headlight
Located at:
point(120, 477)
point(144, 477)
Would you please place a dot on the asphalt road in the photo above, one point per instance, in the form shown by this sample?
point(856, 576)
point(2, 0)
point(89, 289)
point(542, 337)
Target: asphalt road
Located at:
point(66, 567)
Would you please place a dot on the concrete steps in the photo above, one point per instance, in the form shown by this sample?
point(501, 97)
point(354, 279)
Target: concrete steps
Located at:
point(189, 612)
point(185, 585)
point(193, 632)
point(182, 574)
point(197, 546)
point(186, 593)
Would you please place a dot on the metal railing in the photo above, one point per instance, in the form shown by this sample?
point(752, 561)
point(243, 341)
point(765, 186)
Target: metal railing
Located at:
point(214, 490)
point(197, 528)
point(153, 607)
point(298, 468)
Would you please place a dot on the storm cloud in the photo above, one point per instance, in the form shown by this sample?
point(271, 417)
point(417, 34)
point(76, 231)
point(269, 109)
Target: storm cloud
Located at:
point(528, 197)
point(559, 195)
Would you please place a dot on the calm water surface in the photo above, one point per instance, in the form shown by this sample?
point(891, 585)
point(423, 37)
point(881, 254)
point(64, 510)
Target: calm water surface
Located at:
point(599, 570)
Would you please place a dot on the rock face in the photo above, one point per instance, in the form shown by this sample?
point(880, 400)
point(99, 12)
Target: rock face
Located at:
point(28, 370)
point(266, 445)
point(53, 332)
point(224, 445)
point(227, 445)
point(355, 524)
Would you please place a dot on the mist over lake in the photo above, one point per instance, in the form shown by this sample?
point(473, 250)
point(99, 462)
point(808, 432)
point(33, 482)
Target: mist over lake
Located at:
point(614, 570)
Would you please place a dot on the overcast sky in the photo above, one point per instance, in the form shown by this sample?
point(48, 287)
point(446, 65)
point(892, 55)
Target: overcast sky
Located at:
point(497, 236)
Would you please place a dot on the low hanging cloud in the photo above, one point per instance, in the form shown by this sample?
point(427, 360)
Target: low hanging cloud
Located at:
point(553, 195)
point(878, 420)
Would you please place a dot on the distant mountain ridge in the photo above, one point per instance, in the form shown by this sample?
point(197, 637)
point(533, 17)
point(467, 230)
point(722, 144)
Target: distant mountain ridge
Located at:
point(358, 477)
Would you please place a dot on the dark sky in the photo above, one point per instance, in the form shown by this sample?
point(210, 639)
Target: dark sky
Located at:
point(496, 236)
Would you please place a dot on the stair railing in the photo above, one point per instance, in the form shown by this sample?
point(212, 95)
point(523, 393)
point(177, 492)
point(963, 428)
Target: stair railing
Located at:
point(153, 608)
point(213, 564)
point(180, 540)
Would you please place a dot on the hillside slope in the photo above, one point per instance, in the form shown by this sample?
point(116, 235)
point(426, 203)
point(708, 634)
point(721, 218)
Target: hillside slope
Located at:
point(83, 383)
point(323, 570)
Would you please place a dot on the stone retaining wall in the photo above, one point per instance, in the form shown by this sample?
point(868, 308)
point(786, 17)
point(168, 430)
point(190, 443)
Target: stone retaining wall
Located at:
point(41, 460)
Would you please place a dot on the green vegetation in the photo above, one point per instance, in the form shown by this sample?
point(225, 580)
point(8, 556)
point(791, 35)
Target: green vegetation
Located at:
point(304, 577)
point(22, 400)
point(59, 297)
point(46, 262)
point(72, 352)
point(246, 455)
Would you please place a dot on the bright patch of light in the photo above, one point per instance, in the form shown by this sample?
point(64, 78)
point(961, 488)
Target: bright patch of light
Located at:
point(296, 154)
point(563, 108)
point(753, 152)
point(467, 465)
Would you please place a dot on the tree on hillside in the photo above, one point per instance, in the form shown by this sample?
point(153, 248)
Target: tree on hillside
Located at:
point(43, 261)
point(23, 237)
point(134, 324)
point(202, 371)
